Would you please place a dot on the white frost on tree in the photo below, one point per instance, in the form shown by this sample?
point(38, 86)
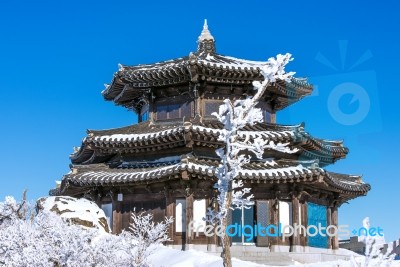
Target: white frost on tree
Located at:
point(146, 234)
point(374, 250)
point(238, 146)
point(48, 240)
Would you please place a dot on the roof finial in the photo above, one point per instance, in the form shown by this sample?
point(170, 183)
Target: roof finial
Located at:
point(205, 33)
point(206, 42)
point(205, 26)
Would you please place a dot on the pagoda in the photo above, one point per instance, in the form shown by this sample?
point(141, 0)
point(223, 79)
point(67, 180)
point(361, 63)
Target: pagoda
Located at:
point(165, 164)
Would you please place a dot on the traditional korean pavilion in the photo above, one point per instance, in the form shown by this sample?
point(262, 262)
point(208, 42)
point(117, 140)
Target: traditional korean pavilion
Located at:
point(166, 162)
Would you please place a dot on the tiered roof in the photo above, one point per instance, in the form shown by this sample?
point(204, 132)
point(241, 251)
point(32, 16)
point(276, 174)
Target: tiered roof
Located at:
point(144, 137)
point(92, 162)
point(268, 171)
point(118, 157)
point(131, 83)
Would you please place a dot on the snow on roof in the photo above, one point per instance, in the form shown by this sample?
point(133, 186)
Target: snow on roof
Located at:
point(231, 62)
point(299, 169)
point(136, 137)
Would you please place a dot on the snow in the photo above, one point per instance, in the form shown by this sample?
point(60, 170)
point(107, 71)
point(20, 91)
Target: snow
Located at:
point(299, 169)
point(105, 176)
point(72, 208)
point(135, 137)
point(243, 134)
point(205, 34)
point(168, 257)
point(234, 65)
point(44, 239)
point(123, 176)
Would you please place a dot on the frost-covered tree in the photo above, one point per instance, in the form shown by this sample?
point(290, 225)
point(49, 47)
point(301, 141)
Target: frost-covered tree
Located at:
point(374, 250)
point(49, 240)
point(235, 115)
point(146, 234)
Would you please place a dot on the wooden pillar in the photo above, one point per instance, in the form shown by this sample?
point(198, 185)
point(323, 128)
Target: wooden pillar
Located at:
point(334, 216)
point(274, 220)
point(170, 212)
point(189, 217)
point(117, 217)
point(273, 117)
point(329, 222)
point(304, 222)
point(296, 221)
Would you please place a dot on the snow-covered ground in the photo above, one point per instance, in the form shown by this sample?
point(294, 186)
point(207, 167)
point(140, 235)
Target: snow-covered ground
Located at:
point(168, 257)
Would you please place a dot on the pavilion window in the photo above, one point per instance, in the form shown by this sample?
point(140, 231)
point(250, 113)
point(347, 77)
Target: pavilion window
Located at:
point(199, 212)
point(211, 106)
point(144, 113)
point(285, 214)
point(267, 116)
point(173, 111)
point(107, 208)
point(186, 110)
point(243, 217)
point(317, 216)
point(162, 112)
point(180, 215)
point(265, 109)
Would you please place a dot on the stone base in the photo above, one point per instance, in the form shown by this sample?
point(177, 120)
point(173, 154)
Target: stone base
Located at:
point(277, 255)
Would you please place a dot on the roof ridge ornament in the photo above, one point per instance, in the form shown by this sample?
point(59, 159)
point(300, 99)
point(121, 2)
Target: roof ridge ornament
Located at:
point(205, 33)
point(206, 42)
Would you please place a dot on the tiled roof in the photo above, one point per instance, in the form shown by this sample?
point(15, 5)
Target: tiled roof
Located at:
point(131, 82)
point(270, 171)
point(145, 137)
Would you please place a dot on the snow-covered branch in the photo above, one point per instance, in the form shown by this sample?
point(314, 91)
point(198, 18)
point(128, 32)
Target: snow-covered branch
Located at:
point(239, 147)
point(47, 239)
point(145, 234)
point(375, 256)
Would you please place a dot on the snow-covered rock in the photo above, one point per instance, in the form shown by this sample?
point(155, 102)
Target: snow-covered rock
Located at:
point(77, 211)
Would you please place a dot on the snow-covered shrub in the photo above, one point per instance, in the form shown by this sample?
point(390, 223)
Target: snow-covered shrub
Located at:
point(10, 211)
point(145, 234)
point(46, 239)
point(43, 241)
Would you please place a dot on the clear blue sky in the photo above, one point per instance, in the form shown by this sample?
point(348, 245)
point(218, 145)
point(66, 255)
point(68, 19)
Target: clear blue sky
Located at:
point(55, 57)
